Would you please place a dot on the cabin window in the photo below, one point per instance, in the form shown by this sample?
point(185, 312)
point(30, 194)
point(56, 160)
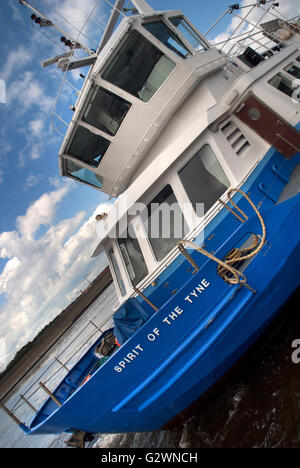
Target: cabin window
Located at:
point(116, 268)
point(88, 147)
point(83, 174)
point(204, 180)
point(106, 111)
point(164, 222)
point(133, 257)
point(283, 84)
point(188, 33)
point(139, 67)
point(159, 30)
point(293, 70)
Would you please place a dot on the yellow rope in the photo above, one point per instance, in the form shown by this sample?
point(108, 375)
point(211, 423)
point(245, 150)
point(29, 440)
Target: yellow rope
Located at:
point(225, 267)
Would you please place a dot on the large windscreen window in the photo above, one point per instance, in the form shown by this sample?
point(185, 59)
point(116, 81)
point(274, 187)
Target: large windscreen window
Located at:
point(133, 258)
point(167, 37)
point(117, 272)
point(83, 174)
point(164, 222)
point(138, 67)
point(204, 180)
point(88, 147)
point(188, 33)
point(106, 111)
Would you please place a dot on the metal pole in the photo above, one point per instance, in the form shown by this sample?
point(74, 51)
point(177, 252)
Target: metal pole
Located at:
point(62, 364)
point(28, 403)
point(145, 299)
point(96, 326)
point(37, 12)
point(14, 418)
point(243, 20)
point(218, 20)
point(43, 386)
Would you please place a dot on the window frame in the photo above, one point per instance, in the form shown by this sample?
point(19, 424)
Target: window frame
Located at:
point(174, 31)
point(155, 42)
point(133, 223)
point(184, 164)
point(96, 132)
point(288, 76)
point(88, 99)
point(112, 247)
point(172, 179)
point(183, 39)
point(65, 157)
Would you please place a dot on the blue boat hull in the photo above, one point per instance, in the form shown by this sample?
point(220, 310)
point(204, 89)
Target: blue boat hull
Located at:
point(199, 332)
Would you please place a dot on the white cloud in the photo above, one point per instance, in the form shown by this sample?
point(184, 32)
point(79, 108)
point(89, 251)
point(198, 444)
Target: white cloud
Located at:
point(16, 60)
point(32, 180)
point(43, 272)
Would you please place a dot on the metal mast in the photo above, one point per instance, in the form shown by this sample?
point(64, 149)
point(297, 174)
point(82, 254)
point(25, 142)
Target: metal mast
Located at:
point(46, 22)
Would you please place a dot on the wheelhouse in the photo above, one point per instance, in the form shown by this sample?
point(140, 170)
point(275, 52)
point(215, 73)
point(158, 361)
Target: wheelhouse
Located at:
point(142, 75)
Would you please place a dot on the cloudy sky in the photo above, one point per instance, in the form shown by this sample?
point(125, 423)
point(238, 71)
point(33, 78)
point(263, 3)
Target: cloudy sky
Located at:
point(47, 227)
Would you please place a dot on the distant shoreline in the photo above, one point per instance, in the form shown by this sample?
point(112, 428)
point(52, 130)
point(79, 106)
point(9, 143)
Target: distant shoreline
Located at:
point(51, 334)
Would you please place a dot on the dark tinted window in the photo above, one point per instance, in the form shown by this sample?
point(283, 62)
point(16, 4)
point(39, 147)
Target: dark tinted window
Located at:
point(133, 258)
point(138, 67)
point(203, 179)
point(88, 147)
point(106, 111)
point(164, 222)
point(167, 37)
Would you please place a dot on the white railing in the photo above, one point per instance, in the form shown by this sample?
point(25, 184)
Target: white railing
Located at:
point(248, 33)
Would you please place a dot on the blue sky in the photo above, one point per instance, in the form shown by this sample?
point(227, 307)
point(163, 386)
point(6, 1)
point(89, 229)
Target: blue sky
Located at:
point(47, 227)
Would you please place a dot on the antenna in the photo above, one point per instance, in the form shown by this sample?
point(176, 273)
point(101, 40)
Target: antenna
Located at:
point(43, 21)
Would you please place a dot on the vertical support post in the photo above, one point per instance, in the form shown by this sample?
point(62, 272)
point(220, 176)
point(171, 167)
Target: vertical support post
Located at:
point(61, 363)
point(145, 298)
point(28, 403)
point(43, 386)
point(14, 418)
point(96, 326)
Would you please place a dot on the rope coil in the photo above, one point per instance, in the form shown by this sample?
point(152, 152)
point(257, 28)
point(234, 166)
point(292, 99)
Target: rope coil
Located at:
point(225, 267)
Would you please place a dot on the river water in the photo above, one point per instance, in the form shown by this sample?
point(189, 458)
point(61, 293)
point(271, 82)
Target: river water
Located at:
point(256, 405)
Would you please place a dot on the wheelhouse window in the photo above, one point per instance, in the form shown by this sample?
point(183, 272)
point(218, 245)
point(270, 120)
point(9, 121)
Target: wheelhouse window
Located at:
point(133, 257)
point(161, 31)
point(116, 268)
point(164, 222)
point(138, 67)
point(88, 147)
point(82, 174)
point(106, 111)
point(283, 84)
point(188, 33)
point(204, 180)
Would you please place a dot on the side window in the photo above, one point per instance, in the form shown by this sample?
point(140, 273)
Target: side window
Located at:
point(133, 258)
point(204, 179)
point(188, 33)
point(106, 111)
point(138, 67)
point(164, 222)
point(88, 147)
point(283, 84)
point(82, 174)
point(167, 37)
point(117, 271)
point(293, 70)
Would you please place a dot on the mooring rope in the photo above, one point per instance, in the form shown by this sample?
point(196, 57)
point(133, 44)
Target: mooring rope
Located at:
point(225, 269)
